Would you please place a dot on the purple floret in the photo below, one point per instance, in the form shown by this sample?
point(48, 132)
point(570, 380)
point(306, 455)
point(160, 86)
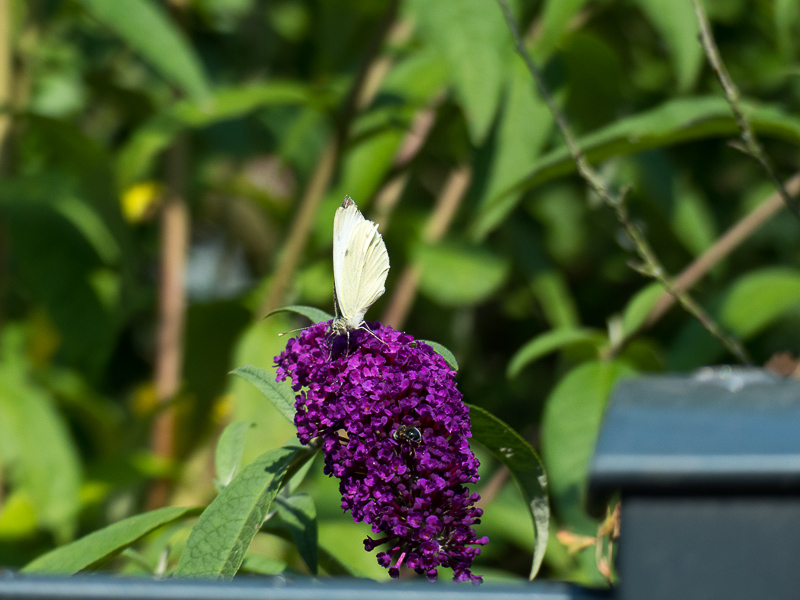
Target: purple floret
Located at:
point(394, 430)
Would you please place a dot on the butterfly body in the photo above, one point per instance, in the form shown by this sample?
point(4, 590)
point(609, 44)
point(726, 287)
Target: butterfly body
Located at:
point(360, 267)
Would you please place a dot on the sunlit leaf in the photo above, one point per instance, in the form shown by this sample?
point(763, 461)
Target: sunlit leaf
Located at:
point(759, 299)
point(218, 542)
point(524, 464)
point(570, 426)
point(229, 452)
point(106, 542)
point(472, 38)
point(147, 28)
point(280, 394)
point(677, 24)
point(524, 127)
point(670, 123)
point(459, 275)
point(551, 341)
point(556, 15)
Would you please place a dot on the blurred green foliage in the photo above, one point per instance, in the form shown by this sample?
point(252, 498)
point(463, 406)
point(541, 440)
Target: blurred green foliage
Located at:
point(528, 286)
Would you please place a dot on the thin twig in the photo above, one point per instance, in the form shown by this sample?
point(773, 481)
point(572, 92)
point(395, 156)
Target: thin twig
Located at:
point(389, 195)
point(364, 87)
point(651, 267)
point(447, 204)
point(752, 145)
point(726, 244)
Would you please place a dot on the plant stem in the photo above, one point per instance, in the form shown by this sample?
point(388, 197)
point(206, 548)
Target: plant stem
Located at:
point(172, 314)
point(651, 267)
point(365, 86)
point(752, 145)
point(453, 192)
point(726, 244)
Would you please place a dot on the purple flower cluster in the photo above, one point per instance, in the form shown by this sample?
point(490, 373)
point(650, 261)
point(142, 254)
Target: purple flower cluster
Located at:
point(394, 430)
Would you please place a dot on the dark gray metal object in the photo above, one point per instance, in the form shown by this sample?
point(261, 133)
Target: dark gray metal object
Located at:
point(95, 587)
point(708, 471)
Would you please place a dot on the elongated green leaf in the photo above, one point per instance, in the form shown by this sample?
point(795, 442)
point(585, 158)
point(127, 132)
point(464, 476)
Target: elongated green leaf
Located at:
point(524, 127)
point(511, 449)
point(106, 542)
point(315, 314)
point(639, 307)
point(472, 38)
point(137, 156)
point(147, 28)
point(50, 472)
point(759, 299)
point(671, 123)
point(676, 22)
point(280, 394)
point(230, 449)
point(446, 354)
point(555, 18)
point(299, 514)
point(571, 422)
point(549, 342)
point(218, 543)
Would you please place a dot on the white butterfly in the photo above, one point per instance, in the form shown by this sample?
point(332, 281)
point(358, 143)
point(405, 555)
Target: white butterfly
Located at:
point(360, 267)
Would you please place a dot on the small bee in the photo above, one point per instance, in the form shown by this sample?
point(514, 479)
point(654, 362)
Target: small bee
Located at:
point(407, 433)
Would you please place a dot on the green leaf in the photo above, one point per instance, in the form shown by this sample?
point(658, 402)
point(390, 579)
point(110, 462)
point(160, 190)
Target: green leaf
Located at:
point(639, 307)
point(556, 15)
point(446, 354)
point(549, 342)
point(329, 560)
point(511, 449)
point(147, 28)
point(570, 425)
point(524, 127)
point(759, 299)
point(458, 275)
point(315, 314)
point(677, 24)
point(673, 122)
point(49, 473)
point(104, 543)
point(138, 155)
point(299, 514)
point(262, 565)
point(473, 40)
point(218, 542)
point(552, 292)
point(280, 394)
point(693, 220)
point(787, 13)
point(230, 449)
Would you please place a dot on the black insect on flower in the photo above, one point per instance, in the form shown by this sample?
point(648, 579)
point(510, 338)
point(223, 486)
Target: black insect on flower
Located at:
point(387, 391)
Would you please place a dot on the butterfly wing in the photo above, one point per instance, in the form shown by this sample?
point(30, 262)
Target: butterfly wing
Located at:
point(360, 263)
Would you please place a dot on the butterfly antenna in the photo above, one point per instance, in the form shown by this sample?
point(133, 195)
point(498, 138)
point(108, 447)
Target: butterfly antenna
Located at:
point(293, 330)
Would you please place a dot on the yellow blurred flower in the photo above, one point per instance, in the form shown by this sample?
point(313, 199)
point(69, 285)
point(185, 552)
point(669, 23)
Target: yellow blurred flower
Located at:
point(139, 201)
